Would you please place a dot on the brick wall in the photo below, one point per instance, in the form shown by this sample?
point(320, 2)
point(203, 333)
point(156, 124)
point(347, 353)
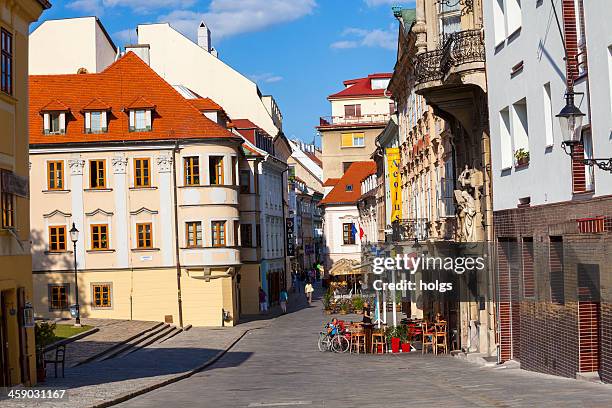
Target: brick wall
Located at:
point(564, 324)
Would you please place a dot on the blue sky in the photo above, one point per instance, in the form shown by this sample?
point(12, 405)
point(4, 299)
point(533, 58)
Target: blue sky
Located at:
point(300, 51)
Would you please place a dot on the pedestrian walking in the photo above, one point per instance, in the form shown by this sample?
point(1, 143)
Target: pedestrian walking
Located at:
point(263, 302)
point(284, 298)
point(308, 290)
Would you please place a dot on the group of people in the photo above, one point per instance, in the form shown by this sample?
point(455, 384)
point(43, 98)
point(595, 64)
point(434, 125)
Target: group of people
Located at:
point(263, 301)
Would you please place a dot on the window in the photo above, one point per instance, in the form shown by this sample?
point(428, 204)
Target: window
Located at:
point(140, 120)
point(101, 295)
point(192, 170)
point(513, 16)
point(587, 144)
point(353, 139)
point(581, 56)
point(144, 235)
point(193, 231)
point(349, 187)
point(347, 234)
point(345, 166)
point(142, 172)
point(548, 116)
point(215, 164)
point(55, 175)
point(447, 189)
point(555, 265)
point(6, 62)
point(97, 174)
point(218, 233)
point(95, 122)
point(505, 139)
point(234, 170)
point(245, 181)
point(58, 297)
point(520, 126)
point(99, 237)
point(352, 111)
point(57, 238)
point(450, 20)
point(258, 235)
point(8, 210)
point(236, 233)
point(246, 235)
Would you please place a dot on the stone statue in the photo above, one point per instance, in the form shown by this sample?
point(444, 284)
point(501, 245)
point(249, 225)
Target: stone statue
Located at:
point(470, 181)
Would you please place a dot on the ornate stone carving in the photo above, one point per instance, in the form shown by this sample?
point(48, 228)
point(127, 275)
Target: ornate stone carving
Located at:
point(469, 211)
point(76, 166)
point(164, 164)
point(119, 165)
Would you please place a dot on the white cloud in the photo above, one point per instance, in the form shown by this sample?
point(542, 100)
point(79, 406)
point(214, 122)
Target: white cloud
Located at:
point(127, 36)
point(375, 38)
point(267, 78)
point(138, 6)
point(230, 17)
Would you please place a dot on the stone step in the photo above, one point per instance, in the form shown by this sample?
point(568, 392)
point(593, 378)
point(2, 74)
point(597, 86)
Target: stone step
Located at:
point(133, 342)
point(154, 338)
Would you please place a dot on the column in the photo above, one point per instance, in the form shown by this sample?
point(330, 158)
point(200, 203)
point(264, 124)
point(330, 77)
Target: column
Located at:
point(76, 187)
point(166, 205)
point(122, 221)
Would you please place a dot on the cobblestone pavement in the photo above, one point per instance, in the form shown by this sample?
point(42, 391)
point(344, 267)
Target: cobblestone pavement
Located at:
point(111, 332)
point(279, 366)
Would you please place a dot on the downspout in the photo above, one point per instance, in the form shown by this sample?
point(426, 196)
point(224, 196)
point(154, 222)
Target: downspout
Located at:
point(176, 234)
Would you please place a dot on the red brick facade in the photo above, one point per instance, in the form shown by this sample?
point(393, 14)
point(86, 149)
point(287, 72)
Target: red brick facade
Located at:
point(554, 282)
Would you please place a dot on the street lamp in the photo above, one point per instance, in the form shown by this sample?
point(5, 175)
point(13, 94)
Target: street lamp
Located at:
point(570, 119)
point(74, 237)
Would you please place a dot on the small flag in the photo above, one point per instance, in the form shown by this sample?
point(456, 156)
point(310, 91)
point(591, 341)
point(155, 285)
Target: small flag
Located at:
point(353, 230)
point(361, 233)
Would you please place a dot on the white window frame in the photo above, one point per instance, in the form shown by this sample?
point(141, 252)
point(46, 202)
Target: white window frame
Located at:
point(48, 123)
point(146, 120)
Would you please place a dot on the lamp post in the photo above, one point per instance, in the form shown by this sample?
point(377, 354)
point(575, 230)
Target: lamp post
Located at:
point(74, 236)
point(570, 119)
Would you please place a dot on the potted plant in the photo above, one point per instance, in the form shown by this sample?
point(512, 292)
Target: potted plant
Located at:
point(522, 157)
point(358, 303)
point(405, 339)
point(344, 307)
point(327, 302)
point(44, 334)
point(393, 337)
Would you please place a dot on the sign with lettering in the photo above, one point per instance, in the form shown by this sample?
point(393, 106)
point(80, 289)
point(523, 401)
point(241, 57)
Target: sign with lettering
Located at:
point(395, 186)
point(290, 237)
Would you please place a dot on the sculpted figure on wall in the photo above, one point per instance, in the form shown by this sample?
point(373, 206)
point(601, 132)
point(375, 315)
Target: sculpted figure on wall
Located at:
point(469, 213)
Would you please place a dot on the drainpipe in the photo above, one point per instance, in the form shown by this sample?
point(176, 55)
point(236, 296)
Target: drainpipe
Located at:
point(175, 150)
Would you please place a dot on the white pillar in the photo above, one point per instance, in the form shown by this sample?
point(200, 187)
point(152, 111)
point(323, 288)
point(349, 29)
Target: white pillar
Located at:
point(76, 187)
point(166, 205)
point(122, 221)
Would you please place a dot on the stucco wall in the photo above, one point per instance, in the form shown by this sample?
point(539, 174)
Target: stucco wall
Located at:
point(334, 154)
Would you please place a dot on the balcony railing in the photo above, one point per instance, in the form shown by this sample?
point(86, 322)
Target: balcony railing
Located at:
point(462, 47)
point(415, 228)
point(378, 118)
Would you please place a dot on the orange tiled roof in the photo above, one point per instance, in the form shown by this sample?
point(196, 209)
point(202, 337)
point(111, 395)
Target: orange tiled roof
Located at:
point(127, 83)
point(55, 106)
point(206, 104)
point(96, 105)
point(353, 176)
point(361, 87)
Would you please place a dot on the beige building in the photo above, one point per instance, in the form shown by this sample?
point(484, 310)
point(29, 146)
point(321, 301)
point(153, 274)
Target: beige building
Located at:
point(150, 179)
point(359, 113)
point(17, 351)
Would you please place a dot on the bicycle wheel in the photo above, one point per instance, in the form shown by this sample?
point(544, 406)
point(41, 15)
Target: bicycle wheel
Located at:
point(340, 344)
point(323, 342)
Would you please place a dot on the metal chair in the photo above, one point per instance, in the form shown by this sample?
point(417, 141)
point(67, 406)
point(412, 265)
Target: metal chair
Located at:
point(60, 354)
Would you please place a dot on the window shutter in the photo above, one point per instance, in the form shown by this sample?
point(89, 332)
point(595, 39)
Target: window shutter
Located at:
point(132, 119)
point(358, 110)
point(148, 119)
point(87, 122)
point(103, 121)
point(46, 123)
point(347, 139)
point(62, 122)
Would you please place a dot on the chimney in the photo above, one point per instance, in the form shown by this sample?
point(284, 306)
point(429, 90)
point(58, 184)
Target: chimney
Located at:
point(204, 37)
point(142, 50)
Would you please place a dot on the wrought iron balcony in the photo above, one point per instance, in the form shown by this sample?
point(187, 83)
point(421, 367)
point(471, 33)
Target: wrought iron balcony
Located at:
point(462, 47)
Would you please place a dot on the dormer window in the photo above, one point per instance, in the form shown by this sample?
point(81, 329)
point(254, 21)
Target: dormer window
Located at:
point(349, 187)
point(54, 123)
point(140, 112)
point(95, 122)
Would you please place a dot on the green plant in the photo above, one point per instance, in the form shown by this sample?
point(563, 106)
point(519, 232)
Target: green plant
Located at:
point(327, 297)
point(344, 306)
point(521, 155)
point(44, 334)
point(358, 303)
point(392, 332)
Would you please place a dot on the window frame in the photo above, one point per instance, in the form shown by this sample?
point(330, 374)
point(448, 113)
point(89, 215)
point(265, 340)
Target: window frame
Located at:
point(7, 207)
point(61, 306)
point(97, 237)
point(97, 186)
point(347, 236)
point(147, 239)
point(216, 170)
point(54, 177)
point(55, 244)
point(6, 59)
point(218, 234)
point(246, 235)
point(191, 171)
point(193, 234)
point(356, 110)
point(246, 187)
point(108, 285)
point(141, 180)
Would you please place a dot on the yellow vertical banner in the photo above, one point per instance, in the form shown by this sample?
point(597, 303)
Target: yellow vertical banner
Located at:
point(395, 186)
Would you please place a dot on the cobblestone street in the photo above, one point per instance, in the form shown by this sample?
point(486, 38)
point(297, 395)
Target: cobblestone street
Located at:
point(280, 366)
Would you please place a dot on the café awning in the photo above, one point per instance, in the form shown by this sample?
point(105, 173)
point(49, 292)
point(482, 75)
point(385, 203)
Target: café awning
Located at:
point(345, 267)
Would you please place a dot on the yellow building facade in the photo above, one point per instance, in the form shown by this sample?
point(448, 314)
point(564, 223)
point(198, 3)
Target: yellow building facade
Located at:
point(17, 349)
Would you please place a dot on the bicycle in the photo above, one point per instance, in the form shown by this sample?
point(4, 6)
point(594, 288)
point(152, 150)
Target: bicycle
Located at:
point(337, 343)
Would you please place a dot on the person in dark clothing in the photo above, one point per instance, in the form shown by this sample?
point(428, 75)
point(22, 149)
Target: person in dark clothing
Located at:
point(367, 314)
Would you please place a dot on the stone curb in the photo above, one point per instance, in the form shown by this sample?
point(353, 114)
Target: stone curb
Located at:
point(69, 340)
point(133, 394)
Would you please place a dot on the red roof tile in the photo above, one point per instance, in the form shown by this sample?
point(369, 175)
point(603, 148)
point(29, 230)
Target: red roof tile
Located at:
point(55, 106)
point(96, 105)
point(330, 182)
point(244, 124)
point(206, 104)
point(353, 176)
point(128, 82)
point(141, 103)
point(361, 87)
